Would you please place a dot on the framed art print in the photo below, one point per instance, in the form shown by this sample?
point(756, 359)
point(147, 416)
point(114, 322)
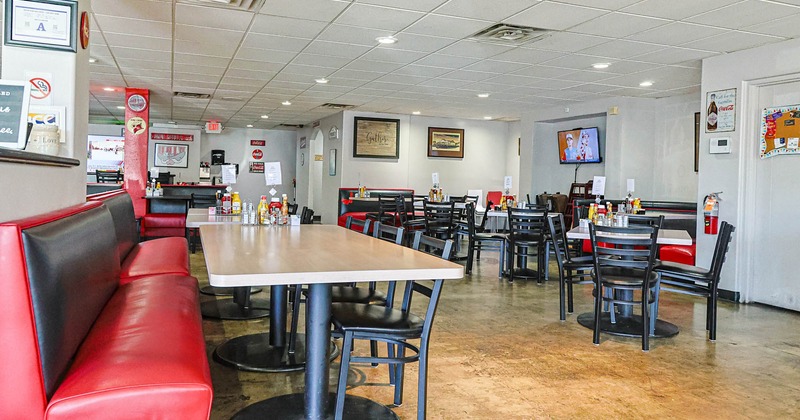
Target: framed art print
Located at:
point(445, 142)
point(171, 155)
point(376, 138)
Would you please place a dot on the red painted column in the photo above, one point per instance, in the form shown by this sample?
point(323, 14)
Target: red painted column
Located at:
point(137, 121)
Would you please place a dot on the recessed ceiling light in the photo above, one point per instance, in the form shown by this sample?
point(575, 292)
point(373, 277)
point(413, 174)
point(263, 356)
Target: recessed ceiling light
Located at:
point(386, 39)
point(249, 125)
point(321, 80)
point(92, 60)
point(601, 65)
point(170, 122)
point(487, 118)
point(109, 89)
point(646, 83)
point(416, 113)
point(265, 116)
point(287, 103)
point(120, 107)
point(483, 95)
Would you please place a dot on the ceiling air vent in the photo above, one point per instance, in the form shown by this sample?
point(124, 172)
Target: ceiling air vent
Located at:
point(503, 33)
point(190, 95)
point(244, 5)
point(336, 106)
point(292, 125)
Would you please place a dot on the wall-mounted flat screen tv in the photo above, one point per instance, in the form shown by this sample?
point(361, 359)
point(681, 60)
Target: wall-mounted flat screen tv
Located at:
point(580, 145)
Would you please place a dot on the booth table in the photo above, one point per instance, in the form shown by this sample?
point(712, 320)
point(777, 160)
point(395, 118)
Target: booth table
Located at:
point(627, 324)
point(318, 255)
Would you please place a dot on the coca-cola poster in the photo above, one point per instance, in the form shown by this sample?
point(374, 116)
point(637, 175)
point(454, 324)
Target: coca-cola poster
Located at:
point(721, 111)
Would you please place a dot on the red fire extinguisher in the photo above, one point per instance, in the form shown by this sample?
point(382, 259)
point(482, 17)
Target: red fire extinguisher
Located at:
point(711, 213)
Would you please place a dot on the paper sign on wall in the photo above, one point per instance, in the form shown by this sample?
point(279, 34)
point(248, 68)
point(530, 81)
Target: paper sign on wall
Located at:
point(272, 173)
point(435, 178)
point(507, 182)
point(599, 185)
point(228, 174)
point(631, 185)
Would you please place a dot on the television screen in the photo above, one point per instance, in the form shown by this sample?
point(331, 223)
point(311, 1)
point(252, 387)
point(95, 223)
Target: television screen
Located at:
point(580, 145)
point(105, 153)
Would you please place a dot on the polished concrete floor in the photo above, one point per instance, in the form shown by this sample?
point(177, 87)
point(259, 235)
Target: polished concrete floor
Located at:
point(499, 351)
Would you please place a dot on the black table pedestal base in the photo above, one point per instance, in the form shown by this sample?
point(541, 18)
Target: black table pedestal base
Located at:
point(291, 407)
point(254, 353)
point(223, 291)
point(228, 309)
point(627, 326)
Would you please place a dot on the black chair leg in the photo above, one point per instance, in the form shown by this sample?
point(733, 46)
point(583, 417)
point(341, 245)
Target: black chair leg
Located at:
point(341, 388)
point(598, 304)
point(570, 308)
point(645, 320)
point(422, 388)
point(470, 256)
point(373, 351)
point(398, 377)
point(298, 294)
point(712, 334)
point(561, 292)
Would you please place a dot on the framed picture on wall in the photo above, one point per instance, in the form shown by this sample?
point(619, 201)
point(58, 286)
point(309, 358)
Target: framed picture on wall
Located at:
point(445, 142)
point(168, 155)
point(376, 138)
point(48, 24)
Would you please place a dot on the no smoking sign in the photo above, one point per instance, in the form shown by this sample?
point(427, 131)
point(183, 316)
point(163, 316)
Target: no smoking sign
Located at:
point(40, 88)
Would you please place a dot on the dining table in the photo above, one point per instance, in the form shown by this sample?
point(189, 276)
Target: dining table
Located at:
point(319, 256)
point(626, 323)
point(242, 306)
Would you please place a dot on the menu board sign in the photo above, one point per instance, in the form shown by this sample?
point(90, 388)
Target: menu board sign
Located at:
point(14, 97)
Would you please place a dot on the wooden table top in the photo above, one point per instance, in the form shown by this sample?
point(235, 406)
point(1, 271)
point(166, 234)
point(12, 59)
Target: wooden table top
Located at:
point(665, 236)
point(239, 255)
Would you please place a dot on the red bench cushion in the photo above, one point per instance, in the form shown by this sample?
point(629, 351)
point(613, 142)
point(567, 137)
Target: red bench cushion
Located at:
point(158, 256)
point(144, 357)
point(684, 254)
point(163, 224)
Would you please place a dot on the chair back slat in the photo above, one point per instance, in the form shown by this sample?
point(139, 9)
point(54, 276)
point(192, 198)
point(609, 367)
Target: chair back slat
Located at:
point(632, 247)
point(439, 248)
point(721, 250)
point(527, 221)
point(439, 217)
point(388, 233)
point(358, 225)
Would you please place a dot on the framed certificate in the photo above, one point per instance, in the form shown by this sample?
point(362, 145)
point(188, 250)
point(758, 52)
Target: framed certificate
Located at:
point(48, 24)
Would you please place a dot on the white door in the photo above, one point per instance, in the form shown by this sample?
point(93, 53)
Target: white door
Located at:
point(777, 224)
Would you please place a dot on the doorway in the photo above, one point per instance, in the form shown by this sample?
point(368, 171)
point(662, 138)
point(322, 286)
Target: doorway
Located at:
point(315, 169)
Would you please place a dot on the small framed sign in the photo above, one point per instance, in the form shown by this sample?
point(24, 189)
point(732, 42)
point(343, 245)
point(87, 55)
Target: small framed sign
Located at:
point(14, 98)
point(48, 24)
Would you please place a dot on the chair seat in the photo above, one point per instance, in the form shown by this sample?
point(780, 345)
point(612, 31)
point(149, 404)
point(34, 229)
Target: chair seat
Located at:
point(626, 277)
point(690, 272)
point(356, 295)
point(376, 319)
point(490, 237)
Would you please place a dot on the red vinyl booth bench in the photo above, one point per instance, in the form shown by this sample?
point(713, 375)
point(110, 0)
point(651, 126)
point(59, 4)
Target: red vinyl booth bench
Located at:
point(359, 208)
point(156, 256)
point(80, 345)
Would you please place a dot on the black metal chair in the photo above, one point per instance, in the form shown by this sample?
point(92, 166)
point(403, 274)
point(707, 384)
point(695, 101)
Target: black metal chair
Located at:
point(306, 216)
point(439, 218)
point(526, 238)
point(387, 210)
point(395, 326)
point(361, 226)
point(623, 259)
point(697, 281)
point(105, 177)
point(293, 208)
point(572, 269)
point(477, 241)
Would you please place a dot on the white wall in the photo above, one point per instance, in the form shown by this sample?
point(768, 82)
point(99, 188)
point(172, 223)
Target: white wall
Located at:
point(674, 148)
point(281, 147)
point(727, 172)
point(38, 189)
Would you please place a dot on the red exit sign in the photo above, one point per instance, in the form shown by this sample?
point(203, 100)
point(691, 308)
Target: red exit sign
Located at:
point(213, 127)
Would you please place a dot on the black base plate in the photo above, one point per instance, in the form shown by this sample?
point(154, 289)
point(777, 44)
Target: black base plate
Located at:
point(290, 407)
point(223, 291)
point(254, 353)
point(627, 326)
point(228, 309)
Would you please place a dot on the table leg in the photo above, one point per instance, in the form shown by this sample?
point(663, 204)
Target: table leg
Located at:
point(277, 322)
point(318, 337)
point(241, 307)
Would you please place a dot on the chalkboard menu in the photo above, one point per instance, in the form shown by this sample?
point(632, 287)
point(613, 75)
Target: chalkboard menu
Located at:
point(14, 97)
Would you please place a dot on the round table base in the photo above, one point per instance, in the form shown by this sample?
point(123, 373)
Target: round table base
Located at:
point(254, 353)
point(228, 309)
point(223, 291)
point(627, 326)
point(290, 407)
point(526, 273)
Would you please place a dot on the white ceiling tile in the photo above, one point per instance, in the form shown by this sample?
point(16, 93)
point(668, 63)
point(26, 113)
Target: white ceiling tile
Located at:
point(208, 35)
point(586, 76)
point(141, 54)
point(447, 26)
point(126, 64)
point(354, 74)
point(336, 49)
point(512, 80)
point(567, 42)
point(469, 76)
point(421, 43)
point(195, 77)
point(747, 13)
point(423, 71)
point(629, 66)
point(277, 25)
point(445, 83)
point(320, 60)
point(137, 9)
point(353, 35)
point(320, 10)
point(481, 9)
point(555, 16)
point(602, 4)
point(621, 49)
point(527, 56)
point(474, 49)
point(201, 60)
point(255, 65)
point(676, 33)
point(732, 41)
point(273, 42)
point(588, 88)
point(576, 61)
point(446, 61)
point(671, 55)
point(212, 17)
point(115, 24)
point(392, 55)
point(553, 84)
point(373, 66)
point(542, 71)
point(493, 66)
point(676, 9)
point(269, 56)
point(200, 48)
point(139, 42)
point(311, 72)
point(783, 27)
point(377, 17)
point(99, 51)
point(618, 25)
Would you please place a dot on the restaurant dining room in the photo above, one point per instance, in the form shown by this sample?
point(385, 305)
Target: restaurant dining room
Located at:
point(384, 209)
